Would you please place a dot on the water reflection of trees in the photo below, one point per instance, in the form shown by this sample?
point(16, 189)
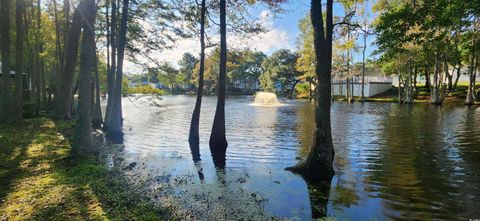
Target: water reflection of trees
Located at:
point(414, 172)
point(340, 193)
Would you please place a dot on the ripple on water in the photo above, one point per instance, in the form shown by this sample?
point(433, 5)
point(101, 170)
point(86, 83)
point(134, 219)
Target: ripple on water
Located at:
point(393, 162)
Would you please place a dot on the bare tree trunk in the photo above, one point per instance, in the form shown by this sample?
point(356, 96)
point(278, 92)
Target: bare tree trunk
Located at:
point(352, 98)
point(348, 90)
point(319, 163)
point(97, 120)
point(115, 133)
point(472, 72)
point(428, 84)
point(111, 71)
point(42, 82)
point(64, 96)
point(194, 135)
point(58, 47)
point(435, 92)
point(218, 141)
point(362, 99)
point(7, 105)
point(399, 88)
point(19, 63)
point(83, 142)
point(408, 84)
point(415, 75)
point(457, 77)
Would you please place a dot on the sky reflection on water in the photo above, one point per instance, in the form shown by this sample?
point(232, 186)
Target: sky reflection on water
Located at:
point(392, 162)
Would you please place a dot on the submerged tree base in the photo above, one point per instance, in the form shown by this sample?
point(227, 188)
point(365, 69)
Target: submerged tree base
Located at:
point(309, 174)
point(115, 137)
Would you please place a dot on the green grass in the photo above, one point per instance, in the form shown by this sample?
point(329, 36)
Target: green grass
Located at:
point(39, 180)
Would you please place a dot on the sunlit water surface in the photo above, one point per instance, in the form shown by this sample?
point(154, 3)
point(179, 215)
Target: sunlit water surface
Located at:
point(393, 162)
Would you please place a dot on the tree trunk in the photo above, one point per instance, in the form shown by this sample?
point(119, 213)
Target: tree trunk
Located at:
point(415, 75)
point(348, 90)
point(41, 75)
point(19, 63)
point(435, 92)
point(319, 163)
point(399, 88)
point(115, 133)
point(194, 135)
point(58, 47)
point(362, 99)
point(218, 141)
point(83, 143)
point(352, 95)
point(64, 100)
point(111, 71)
point(427, 77)
point(472, 72)
point(7, 105)
point(97, 120)
point(457, 78)
point(408, 85)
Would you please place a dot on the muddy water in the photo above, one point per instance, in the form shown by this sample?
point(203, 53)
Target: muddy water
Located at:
point(393, 162)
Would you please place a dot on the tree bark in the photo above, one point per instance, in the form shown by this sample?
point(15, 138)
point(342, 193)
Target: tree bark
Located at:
point(111, 71)
point(83, 142)
point(457, 78)
point(427, 76)
point(362, 99)
point(58, 47)
point(472, 72)
point(218, 141)
point(115, 133)
point(319, 163)
point(19, 63)
point(435, 92)
point(97, 120)
point(7, 105)
point(64, 96)
point(194, 135)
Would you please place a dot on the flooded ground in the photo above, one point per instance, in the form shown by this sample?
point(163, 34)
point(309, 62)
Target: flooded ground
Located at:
point(409, 162)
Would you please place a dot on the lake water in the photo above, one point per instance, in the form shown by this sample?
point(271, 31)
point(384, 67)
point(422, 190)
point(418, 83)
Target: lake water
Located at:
point(393, 162)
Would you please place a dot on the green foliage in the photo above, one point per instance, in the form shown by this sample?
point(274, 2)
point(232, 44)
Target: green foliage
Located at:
point(306, 60)
point(279, 69)
point(145, 89)
point(303, 89)
point(187, 65)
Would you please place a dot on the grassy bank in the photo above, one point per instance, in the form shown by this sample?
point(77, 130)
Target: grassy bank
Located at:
point(39, 180)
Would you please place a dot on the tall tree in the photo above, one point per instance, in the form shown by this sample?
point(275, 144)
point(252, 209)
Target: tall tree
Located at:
point(6, 94)
point(115, 132)
point(194, 135)
point(83, 142)
point(218, 141)
point(319, 163)
point(111, 71)
point(63, 102)
point(97, 119)
point(187, 64)
point(20, 7)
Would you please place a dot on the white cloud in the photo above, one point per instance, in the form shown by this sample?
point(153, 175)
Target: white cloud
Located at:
point(272, 39)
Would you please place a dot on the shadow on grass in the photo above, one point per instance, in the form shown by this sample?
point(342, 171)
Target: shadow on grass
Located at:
point(40, 180)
